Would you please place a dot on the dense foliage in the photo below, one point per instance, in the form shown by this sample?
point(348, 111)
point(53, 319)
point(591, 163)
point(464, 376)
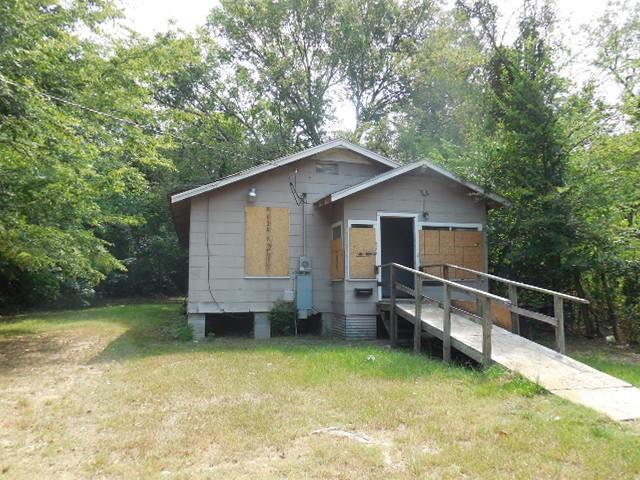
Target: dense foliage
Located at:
point(97, 128)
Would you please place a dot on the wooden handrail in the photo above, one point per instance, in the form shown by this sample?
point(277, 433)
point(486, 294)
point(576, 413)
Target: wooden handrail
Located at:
point(458, 286)
point(485, 299)
point(564, 296)
point(558, 298)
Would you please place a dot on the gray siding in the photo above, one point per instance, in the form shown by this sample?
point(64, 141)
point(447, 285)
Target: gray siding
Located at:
point(217, 238)
point(224, 287)
point(447, 202)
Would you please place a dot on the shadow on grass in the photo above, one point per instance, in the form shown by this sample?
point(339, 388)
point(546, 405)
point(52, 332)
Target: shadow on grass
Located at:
point(13, 332)
point(28, 350)
point(137, 331)
point(40, 338)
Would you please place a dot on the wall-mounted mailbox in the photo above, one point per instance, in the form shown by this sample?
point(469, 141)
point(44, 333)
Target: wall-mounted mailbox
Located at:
point(364, 292)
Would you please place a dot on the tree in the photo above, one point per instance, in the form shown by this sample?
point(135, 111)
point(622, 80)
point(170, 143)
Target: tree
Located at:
point(443, 116)
point(67, 174)
point(617, 36)
point(530, 137)
point(285, 52)
point(607, 174)
point(376, 45)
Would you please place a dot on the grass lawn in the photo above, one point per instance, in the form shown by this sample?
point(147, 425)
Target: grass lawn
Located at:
point(621, 363)
point(108, 392)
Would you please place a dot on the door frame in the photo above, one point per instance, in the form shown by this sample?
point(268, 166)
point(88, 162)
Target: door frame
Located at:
point(416, 242)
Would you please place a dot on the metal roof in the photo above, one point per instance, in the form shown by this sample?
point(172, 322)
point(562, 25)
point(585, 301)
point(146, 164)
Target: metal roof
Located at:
point(265, 167)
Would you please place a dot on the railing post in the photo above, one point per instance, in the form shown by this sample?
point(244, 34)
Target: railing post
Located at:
point(446, 324)
point(486, 331)
point(558, 312)
point(478, 282)
point(417, 326)
point(445, 272)
point(393, 318)
point(515, 318)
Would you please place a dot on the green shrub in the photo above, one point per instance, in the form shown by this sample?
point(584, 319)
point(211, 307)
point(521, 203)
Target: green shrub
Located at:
point(283, 317)
point(178, 329)
point(182, 332)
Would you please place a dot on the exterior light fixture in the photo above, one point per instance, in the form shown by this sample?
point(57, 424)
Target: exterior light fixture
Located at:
point(252, 195)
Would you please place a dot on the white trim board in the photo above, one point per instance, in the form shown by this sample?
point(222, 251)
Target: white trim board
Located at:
point(416, 242)
point(265, 167)
point(347, 248)
point(339, 223)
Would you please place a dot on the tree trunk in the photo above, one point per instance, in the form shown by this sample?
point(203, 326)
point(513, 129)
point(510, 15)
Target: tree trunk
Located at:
point(611, 308)
point(587, 320)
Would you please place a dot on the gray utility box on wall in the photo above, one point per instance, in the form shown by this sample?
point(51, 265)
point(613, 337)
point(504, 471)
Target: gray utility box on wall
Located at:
point(304, 299)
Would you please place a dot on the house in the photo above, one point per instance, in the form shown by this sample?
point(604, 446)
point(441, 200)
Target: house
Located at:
point(314, 227)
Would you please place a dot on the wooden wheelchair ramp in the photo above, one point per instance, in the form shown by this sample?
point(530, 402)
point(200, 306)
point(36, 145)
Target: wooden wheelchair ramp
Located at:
point(485, 343)
point(561, 375)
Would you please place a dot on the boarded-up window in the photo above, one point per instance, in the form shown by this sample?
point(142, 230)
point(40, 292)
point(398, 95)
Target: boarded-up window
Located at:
point(337, 253)
point(457, 246)
point(267, 242)
point(500, 314)
point(362, 251)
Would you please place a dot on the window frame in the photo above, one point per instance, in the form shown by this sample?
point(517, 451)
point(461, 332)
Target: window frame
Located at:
point(347, 253)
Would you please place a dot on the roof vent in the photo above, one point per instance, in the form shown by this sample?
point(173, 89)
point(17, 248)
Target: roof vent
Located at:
point(329, 168)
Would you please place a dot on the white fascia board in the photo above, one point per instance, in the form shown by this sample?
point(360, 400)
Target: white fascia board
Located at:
point(265, 167)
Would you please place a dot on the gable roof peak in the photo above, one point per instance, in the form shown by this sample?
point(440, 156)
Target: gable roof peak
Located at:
point(406, 168)
point(272, 164)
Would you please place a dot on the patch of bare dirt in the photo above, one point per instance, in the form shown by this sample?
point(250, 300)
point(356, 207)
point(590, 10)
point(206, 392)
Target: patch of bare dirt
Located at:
point(38, 373)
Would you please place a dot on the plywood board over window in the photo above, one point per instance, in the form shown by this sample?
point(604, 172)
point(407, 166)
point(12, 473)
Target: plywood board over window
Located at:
point(457, 246)
point(500, 314)
point(337, 253)
point(267, 241)
point(362, 252)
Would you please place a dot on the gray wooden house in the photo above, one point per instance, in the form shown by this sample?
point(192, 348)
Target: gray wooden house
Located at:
point(312, 227)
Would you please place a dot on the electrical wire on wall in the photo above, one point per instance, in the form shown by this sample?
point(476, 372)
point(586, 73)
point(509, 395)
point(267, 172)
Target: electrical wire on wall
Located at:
point(209, 286)
point(301, 201)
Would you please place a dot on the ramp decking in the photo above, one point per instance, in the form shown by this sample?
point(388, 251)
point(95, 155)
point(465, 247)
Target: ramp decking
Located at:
point(561, 375)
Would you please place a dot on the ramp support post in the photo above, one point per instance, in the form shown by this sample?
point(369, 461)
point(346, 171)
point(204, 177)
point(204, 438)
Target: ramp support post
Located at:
point(393, 316)
point(417, 326)
point(515, 318)
point(446, 324)
point(486, 331)
point(558, 312)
